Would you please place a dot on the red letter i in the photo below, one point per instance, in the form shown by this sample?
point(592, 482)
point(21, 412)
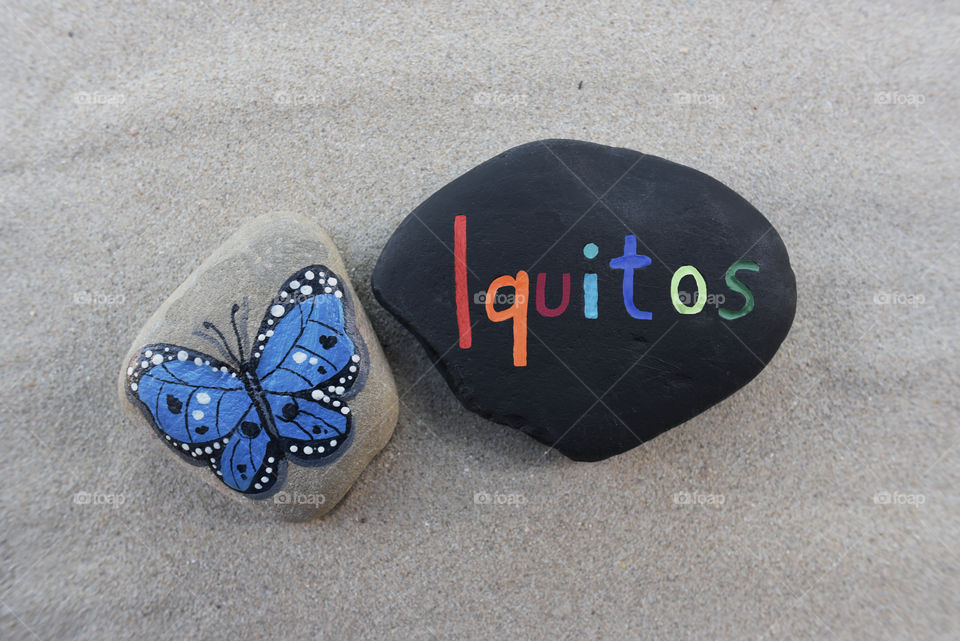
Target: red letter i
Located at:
point(460, 273)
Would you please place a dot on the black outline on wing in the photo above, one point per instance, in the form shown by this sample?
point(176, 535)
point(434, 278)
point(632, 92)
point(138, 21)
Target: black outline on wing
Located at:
point(209, 459)
point(289, 299)
point(353, 381)
point(323, 449)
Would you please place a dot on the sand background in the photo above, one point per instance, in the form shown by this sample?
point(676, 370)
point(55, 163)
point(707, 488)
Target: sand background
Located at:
point(135, 140)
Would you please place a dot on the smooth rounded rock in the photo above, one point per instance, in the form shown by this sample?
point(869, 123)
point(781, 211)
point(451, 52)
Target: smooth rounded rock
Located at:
point(261, 373)
point(590, 296)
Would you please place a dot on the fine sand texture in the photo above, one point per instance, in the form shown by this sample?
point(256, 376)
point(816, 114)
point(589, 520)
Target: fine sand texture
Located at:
point(819, 502)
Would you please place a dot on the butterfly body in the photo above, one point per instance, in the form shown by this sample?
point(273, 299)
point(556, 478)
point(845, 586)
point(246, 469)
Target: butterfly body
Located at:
point(246, 417)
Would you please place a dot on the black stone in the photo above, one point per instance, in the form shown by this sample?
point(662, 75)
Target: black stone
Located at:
point(591, 387)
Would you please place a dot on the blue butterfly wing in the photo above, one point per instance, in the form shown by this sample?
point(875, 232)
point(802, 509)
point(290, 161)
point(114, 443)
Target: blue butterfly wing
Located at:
point(200, 407)
point(251, 461)
point(302, 343)
point(309, 429)
point(194, 400)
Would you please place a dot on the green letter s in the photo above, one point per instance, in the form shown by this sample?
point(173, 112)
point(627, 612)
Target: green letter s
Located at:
point(740, 288)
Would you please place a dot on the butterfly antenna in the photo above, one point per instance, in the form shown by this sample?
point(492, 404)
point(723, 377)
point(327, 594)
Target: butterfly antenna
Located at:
point(245, 323)
point(213, 341)
point(226, 346)
point(236, 332)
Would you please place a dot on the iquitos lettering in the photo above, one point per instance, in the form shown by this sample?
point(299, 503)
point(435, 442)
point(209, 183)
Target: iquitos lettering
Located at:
point(629, 262)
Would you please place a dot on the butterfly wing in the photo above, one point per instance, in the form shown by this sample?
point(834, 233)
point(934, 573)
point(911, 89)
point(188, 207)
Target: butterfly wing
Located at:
point(193, 399)
point(306, 362)
point(202, 410)
point(309, 428)
point(251, 460)
point(303, 344)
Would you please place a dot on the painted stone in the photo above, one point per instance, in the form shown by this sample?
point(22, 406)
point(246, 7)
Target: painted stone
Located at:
point(592, 297)
point(263, 373)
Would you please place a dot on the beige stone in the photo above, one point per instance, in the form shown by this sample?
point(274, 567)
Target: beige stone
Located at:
point(253, 264)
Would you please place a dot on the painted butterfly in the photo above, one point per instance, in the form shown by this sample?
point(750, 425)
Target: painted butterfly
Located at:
point(281, 399)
